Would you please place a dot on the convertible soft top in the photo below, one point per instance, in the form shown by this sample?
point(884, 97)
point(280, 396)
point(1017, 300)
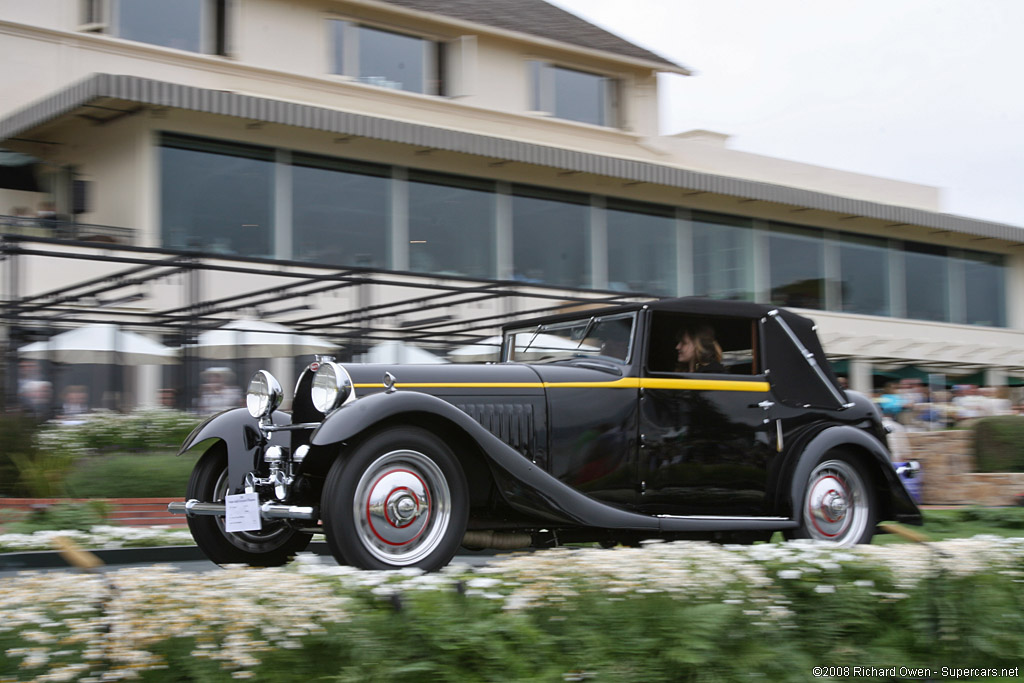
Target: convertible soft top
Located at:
point(800, 372)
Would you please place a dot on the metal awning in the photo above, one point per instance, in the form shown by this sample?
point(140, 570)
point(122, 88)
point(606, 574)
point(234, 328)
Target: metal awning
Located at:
point(147, 92)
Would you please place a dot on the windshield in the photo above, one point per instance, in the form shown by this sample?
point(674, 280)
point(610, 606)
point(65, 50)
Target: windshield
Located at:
point(608, 338)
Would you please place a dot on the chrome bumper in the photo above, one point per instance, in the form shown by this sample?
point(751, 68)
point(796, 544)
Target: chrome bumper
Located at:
point(194, 508)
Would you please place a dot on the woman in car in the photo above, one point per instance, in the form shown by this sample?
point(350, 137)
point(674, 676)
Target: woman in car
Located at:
point(698, 351)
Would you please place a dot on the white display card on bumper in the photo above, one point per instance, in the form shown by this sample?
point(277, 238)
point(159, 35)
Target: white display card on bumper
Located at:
point(243, 512)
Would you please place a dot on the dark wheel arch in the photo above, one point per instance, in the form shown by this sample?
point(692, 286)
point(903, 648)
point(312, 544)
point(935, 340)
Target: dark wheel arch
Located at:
point(273, 546)
point(892, 500)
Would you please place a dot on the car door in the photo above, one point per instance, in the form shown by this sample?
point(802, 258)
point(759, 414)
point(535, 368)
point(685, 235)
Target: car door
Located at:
point(707, 440)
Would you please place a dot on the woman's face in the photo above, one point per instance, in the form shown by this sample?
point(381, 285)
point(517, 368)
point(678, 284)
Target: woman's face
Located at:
point(685, 349)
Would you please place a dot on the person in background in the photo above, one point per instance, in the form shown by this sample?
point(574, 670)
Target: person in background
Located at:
point(218, 391)
point(76, 401)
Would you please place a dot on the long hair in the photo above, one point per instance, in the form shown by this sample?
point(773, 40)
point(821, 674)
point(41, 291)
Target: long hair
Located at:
point(706, 349)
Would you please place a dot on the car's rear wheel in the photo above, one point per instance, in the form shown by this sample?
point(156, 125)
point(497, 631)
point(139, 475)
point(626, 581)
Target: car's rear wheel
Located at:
point(272, 546)
point(400, 499)
point(838, 504)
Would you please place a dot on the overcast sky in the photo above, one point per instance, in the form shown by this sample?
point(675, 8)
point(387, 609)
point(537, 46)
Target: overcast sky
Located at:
point(927, 91)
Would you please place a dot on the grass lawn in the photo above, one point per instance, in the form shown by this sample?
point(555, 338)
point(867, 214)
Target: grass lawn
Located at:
point(965, 522)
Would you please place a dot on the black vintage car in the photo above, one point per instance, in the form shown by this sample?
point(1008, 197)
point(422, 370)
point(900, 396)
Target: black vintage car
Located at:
point(596, 426)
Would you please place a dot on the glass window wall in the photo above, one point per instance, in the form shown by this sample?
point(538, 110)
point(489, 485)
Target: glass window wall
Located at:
point(926, 274)
point(641, 248)
point(985, 289)
point(216, 197)
point(864, 275)
point(796, 266)
point(551, 237)
point(341, 212)
point(451, 225)
point(723, 257)
point(219, 197)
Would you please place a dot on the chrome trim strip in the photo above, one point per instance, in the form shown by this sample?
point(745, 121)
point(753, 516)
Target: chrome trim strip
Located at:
point(290, 428)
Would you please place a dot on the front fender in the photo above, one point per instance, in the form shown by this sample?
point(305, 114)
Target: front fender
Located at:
point(899, 505)
point(241, 435)
point(524, 485)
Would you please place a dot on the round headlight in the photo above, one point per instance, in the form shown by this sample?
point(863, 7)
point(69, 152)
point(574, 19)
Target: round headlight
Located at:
point(264, 394)
point(332, 387)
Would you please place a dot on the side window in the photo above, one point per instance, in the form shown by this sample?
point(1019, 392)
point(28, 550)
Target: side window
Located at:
point(386, 59)
point(573, 95)
point(192, 25)
point(681, 343)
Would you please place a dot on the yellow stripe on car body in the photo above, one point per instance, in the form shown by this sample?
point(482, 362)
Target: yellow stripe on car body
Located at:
point(624, 383)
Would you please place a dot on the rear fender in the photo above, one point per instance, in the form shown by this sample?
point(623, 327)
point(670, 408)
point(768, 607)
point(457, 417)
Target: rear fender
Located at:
point(239, 431)
point(895, 501)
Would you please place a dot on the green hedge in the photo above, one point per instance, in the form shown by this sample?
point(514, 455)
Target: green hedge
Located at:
point(56, 459)
point(999, 444)
point(128, 475)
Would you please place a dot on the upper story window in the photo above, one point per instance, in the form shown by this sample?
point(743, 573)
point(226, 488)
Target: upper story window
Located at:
point(385, 58)
point(573, 95)
point(191, 25)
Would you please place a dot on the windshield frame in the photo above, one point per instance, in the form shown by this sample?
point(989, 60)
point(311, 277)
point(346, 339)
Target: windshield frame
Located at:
point(588, 323)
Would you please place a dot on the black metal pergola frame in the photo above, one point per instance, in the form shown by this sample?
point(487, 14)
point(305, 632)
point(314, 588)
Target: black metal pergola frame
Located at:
point(432, 310)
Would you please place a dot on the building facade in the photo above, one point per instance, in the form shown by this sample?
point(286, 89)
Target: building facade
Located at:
point(504, 141)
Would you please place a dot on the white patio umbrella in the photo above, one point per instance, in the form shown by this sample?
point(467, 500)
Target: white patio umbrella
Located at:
point(394, 351)
point(103, 344)
point(542, 345)
point(259, 339)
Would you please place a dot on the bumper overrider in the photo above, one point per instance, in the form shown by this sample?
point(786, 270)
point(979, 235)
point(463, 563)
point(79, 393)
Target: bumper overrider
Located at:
point(330, 388)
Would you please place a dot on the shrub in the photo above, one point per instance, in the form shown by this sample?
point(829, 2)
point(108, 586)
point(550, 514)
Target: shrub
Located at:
point(999, 444)
point(58, 516)
point(158, 475)
point(17, 443)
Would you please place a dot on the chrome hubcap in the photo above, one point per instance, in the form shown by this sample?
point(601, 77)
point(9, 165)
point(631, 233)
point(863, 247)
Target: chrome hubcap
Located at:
point(836, 504)
point(403, 506)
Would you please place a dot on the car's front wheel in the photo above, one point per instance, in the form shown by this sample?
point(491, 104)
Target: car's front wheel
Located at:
point(400, 499)
point(272, 546)
point(838, 503)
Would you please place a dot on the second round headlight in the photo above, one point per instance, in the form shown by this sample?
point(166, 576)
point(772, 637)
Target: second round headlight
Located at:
point(332, 387)
point(264, 394)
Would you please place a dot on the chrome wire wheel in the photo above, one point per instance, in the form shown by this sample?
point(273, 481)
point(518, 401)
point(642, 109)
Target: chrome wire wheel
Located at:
point(402, 507)
point(275, 544)
point(837, 505)
point(270, 532)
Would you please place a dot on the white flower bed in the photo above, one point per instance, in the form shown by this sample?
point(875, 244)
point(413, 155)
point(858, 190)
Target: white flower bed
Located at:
point(98, 537)
point(71, 626)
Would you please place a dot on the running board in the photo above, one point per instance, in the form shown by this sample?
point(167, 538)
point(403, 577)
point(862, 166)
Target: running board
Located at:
point(195, 508)
point(713, 523)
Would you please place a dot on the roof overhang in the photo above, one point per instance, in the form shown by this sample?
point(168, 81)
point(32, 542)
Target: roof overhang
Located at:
point(147, 92)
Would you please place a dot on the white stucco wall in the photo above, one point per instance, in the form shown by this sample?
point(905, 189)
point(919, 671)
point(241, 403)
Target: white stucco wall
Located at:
point(280, 50)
